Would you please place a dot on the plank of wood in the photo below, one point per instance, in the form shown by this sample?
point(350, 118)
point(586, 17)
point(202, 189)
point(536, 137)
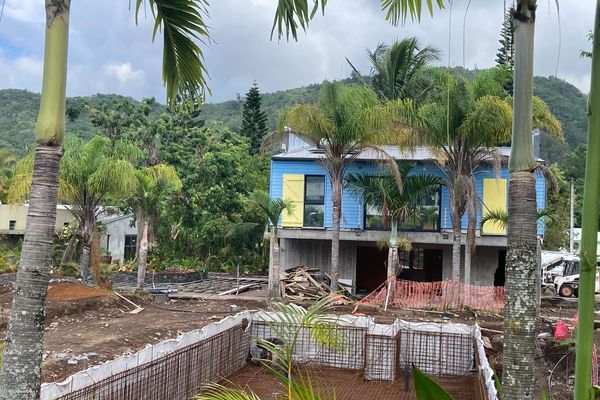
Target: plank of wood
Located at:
point(242, 288)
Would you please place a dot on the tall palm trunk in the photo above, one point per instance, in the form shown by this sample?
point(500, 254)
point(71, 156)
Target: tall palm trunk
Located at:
point(392, 258)
point(21, 372)
point(86, 250)
point(274, 271)
point(143, 258)
point(456, 236)
point(591, 196)
point(335, 231)
point(521, 259)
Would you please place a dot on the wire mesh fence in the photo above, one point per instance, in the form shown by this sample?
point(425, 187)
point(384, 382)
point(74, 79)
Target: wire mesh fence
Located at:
point(350, 355)
point(437, 353)
point(178, 375)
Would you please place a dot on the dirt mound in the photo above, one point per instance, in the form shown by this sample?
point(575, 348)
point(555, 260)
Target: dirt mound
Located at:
point(68, 291)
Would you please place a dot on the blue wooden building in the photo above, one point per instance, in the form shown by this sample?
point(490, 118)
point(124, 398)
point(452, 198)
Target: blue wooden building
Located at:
point(298, 176)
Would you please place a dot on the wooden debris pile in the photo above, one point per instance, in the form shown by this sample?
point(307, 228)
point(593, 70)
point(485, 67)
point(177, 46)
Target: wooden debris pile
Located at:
point(300, 285)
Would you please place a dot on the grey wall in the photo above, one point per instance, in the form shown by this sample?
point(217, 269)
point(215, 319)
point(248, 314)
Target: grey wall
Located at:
point(113, 239)
point(317, 254)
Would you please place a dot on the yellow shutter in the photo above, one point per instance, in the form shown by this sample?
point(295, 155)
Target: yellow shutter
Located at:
point(494, 199)
point(293, 191)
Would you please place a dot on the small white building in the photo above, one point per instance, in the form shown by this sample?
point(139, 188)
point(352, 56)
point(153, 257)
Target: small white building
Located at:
point(119, 236)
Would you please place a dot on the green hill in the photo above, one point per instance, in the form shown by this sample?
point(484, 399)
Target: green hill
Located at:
point(18, 111)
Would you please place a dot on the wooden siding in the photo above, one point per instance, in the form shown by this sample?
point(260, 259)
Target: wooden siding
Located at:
point(352, 207)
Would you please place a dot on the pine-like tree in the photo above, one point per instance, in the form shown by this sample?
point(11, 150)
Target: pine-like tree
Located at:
point(506, 53)
point(254, 121)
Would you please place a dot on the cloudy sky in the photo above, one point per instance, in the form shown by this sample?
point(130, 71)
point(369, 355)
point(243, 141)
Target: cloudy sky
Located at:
point(110, 54)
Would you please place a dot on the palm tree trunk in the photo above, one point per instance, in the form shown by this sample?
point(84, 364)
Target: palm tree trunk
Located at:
point(86, 250)
point(521, 260)
point(275, 264)
point(335, 234)
point(392, 259)
point(591, 196)
point(20, 378)
point(456, 236)
point(143, 259)
point(21, 372)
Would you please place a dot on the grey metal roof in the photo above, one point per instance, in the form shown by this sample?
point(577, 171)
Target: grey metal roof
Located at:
point(417, 154)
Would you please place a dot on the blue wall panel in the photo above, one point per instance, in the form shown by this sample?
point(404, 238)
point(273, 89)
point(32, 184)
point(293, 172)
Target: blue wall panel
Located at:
point(352, 207)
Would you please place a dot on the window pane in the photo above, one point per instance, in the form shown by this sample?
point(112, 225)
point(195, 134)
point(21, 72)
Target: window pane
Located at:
point(373, 218)
point(315, 189)
point(313, 215)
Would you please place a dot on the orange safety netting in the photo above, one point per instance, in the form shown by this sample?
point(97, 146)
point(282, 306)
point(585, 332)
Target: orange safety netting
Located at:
point(441, 295)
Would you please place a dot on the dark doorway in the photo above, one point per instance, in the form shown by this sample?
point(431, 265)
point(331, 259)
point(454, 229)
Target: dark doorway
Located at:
point(370, 268)
point(433, 259)
point(499, 275)
point(421, 265)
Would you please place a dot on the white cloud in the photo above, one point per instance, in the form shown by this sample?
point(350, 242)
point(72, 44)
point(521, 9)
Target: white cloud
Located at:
point(124, 72)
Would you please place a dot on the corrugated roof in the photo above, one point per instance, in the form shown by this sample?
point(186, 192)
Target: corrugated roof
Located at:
point(417, 154)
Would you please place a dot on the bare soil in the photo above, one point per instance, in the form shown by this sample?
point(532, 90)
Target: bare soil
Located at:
point(90, 325)
point(348, 384)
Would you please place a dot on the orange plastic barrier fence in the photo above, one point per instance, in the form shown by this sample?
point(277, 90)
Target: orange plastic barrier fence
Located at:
point(442, 295)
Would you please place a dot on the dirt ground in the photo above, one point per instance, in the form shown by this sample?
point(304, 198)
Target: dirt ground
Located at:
point(348, 385)
point(86, 326)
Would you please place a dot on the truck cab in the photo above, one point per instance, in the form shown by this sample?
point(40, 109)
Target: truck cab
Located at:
point(567, 285)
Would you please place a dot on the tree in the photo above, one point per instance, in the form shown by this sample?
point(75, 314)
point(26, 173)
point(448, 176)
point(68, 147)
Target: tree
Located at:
point(8, 160)
point(587, 277)
point(506, 52)
point(520, 310)
point(184, 77)
point(90, 174)
point(347, 120)
point(254, 121)
point(394, 69)
point(383, 193)
point(153, 185)
point(556, 234)
point(271, 210)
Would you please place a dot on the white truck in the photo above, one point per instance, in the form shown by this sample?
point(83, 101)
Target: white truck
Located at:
point(567, 284)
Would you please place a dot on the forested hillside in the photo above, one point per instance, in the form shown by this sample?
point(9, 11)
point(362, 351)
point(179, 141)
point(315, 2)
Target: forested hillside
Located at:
point(18, 111)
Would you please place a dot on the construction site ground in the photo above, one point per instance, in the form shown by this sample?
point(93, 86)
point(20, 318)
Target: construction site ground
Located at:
point(86, 326)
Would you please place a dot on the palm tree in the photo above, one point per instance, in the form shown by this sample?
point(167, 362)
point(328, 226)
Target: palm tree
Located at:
point(90, 173)
point(152, 187)
point(94, 172)
point(347, 120)
point(587, 277)
point(271, 210)
point(394, 69)
point(181, 22)
point(463, 134)
point(383, 193)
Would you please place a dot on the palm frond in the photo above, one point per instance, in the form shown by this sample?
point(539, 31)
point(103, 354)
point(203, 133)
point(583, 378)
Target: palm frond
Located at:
point(396, 11)
point(182, 22)
point(544, 119)
point(488, 122)
point(290, 16)
point(215, 391)
point(500, 217)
